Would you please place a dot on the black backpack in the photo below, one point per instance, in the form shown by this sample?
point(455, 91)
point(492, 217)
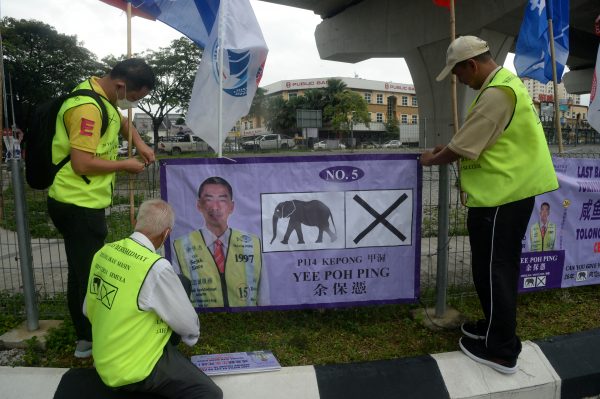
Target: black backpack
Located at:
point(39, 169)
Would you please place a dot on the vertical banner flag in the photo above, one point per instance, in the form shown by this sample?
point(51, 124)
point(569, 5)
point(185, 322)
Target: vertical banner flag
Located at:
point(532, 55)
point(594, 110)
point(245, 52)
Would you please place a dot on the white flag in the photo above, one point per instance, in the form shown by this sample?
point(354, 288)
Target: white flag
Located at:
point(594, 109)
point(244, 55)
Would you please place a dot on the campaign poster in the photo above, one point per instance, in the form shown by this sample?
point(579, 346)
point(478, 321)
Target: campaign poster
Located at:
point(295, 232)
point(561, 247)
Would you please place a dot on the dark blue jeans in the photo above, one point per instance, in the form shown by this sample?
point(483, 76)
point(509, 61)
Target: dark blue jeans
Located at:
point(84, 231)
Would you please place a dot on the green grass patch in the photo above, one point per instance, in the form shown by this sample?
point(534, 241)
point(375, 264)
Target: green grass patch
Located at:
point(305, 337)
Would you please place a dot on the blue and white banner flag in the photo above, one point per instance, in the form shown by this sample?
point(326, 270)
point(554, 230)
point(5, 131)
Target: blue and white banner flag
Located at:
point(594, 110)
point(532, 55)
point(244, 56)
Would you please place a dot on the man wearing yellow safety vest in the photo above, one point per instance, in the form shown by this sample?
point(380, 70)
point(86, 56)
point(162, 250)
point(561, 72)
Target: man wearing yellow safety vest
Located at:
point(83, 187)
point(543, 233)
point(505, 163)
point(223, 264)
point(139, 311)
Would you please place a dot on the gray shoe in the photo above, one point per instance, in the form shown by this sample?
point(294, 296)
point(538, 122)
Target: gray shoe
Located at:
point(83, 349)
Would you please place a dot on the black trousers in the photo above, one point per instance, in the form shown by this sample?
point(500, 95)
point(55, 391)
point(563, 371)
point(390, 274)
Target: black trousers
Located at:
point(175, 376)
point(84, 231)
point(495, 235)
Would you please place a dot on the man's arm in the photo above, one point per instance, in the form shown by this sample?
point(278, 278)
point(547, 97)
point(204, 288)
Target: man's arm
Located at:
point(86, 163)
point(144, 151)
point(163, 293)
point(440, 155)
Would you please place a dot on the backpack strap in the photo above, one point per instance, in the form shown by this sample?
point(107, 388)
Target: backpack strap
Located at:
point(104, 124)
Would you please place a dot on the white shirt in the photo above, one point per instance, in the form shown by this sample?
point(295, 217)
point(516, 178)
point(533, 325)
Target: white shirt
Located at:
point(163, 294)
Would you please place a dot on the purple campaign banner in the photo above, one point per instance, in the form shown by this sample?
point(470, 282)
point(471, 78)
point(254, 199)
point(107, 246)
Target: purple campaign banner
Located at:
point(333, 231)
point(562, 244)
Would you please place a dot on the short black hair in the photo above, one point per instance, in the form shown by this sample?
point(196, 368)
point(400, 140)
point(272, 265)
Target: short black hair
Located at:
point(546, 204)
point(216, 180)
point(135, 72)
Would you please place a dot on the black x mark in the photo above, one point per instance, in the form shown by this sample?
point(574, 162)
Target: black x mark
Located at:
point(380, 218)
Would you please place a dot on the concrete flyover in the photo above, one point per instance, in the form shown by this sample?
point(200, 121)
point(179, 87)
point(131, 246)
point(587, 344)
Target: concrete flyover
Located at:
point(418, 31)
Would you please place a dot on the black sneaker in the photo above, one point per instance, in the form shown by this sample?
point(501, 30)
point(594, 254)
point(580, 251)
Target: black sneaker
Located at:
point(475, 330)
point(476, 350)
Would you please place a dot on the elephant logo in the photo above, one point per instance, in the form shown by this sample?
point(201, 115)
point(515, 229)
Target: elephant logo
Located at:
point(308, 213)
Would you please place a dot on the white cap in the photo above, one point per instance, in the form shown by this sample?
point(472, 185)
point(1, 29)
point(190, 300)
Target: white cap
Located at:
point(461, 49)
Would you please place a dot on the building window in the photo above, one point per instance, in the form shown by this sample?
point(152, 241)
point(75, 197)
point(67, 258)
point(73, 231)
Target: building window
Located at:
point(380, 99)
point(415, 119)
point(368, 98)
point(251, 124)
point(404, 119)
point(245, 125)
point(379, 117)
point(414, 102)
point(404, 101)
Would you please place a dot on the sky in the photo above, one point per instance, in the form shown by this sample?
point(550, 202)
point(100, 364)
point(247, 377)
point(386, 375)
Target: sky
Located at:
point(288, 32)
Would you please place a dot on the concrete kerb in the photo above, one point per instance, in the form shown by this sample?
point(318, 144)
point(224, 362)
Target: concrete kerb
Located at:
point(559, 367)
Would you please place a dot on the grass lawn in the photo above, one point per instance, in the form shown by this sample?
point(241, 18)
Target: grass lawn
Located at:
point(305, 337)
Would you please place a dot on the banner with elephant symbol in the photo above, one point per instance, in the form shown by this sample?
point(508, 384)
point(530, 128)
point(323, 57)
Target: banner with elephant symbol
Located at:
point(258, 233)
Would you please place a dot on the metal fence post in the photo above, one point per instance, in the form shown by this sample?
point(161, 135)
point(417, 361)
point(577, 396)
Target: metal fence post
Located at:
point(24, 238)
point(442, 242)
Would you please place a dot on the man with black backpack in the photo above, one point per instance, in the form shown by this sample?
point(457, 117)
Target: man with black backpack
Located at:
point(87, 137)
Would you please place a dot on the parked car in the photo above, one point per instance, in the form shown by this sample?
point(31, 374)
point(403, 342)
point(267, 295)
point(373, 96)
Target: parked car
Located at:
point(370, 144)
point(269, 142)
point(175, 145)
point(392, 144)
point(324, 145)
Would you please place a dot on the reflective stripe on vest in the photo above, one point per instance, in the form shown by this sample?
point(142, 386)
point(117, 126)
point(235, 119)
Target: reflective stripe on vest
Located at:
point(238, 286)
point(519, 164)
point(128, 342)
point(96, 191)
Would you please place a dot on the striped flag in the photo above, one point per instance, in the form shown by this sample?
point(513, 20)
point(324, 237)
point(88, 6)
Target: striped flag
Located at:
point(532, 55)
point(594, 109)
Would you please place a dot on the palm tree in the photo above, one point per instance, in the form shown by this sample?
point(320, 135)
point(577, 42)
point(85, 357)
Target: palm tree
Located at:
point(334, 87)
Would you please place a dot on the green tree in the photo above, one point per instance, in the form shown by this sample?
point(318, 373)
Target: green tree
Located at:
point(333, 89)
point(257, 108)
point(42, 63)
point(347, 109)
point(281, 114)
point(175, 68)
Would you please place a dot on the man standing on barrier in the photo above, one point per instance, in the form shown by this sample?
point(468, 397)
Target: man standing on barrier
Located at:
point(505, 163)
point(83, 187)
point(136, 304)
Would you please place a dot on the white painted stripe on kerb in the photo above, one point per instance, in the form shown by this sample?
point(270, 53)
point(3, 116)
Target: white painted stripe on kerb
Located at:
point(465, 378)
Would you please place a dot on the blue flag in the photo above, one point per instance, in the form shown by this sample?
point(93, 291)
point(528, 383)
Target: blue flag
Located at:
point(532, 55)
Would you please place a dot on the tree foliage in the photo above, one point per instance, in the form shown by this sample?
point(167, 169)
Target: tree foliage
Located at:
point(175, 68)
point(42, 63)
point(347, 109)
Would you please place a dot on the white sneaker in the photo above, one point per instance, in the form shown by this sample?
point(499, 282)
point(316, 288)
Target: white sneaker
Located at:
point(83, 349)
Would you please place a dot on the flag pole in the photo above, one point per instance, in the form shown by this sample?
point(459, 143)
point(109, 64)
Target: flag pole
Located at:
point(463, 197)
point(221, 72)
point(130, 123)
point(554, 77)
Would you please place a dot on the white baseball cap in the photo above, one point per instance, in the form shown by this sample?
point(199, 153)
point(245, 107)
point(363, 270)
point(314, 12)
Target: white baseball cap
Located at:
point(461, 49)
